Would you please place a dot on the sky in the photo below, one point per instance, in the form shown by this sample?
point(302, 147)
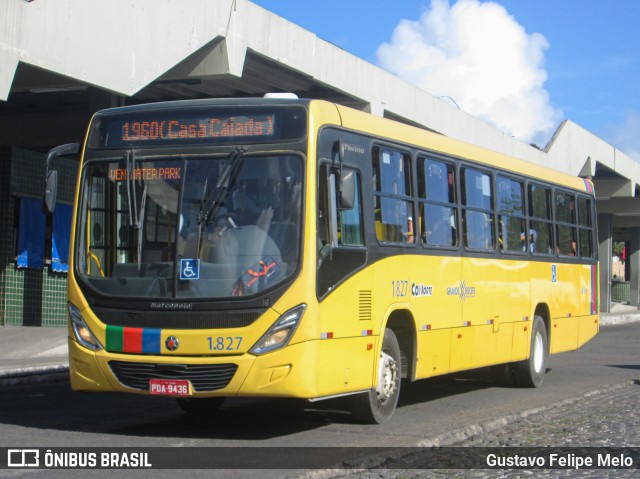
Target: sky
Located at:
point(523, 66)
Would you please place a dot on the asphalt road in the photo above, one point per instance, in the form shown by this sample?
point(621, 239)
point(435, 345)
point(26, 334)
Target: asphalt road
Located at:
point(51, 415)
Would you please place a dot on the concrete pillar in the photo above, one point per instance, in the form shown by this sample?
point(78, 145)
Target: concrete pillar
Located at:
point(633, 257)
point(605, 249)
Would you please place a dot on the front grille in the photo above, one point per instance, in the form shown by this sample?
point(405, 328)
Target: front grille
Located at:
point(203, 377)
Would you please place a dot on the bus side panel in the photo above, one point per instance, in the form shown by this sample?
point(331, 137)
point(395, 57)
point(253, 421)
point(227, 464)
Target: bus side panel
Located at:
point(435, 351)
point(520, 340)
point(564, 334)
point(566, 306)
point(345, 365)
point(461, 348)
point(349, 330)
point(588, 327)
point(496, 296)
point(437, 308)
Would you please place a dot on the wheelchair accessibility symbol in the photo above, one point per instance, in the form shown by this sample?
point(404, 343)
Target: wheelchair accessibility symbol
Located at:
point(189, 269)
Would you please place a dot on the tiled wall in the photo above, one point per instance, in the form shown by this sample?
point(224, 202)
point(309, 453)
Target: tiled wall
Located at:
point(29, 297)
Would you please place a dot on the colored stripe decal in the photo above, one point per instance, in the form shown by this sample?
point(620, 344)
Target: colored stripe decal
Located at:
point(588, 185)
point(594, 290)
point(115, 335)
point(133, 340)
point(151, 340)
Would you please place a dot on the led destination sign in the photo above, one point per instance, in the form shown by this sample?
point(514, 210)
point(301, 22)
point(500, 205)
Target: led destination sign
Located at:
point(140, 131)
point(147, 174)
point(178, 125)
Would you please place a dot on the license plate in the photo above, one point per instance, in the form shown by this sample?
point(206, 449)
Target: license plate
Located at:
point(170, 387)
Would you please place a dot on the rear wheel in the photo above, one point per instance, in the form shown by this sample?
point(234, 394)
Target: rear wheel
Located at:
point(530, 372)
point(200, 406)
point(377, 405)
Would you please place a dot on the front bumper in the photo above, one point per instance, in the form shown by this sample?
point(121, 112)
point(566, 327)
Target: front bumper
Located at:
point(281, 373)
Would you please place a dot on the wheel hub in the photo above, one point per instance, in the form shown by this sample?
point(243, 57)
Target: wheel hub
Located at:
point(387, 377)
point(538, 353)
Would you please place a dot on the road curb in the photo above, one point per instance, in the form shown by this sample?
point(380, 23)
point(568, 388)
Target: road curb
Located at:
point(612, 319)
point(35, 374)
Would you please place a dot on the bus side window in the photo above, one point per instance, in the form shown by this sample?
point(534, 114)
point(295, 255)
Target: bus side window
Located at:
point(585, 224)
point(565, 205)
point(340, 232)
point(541, 221)
point(477, 215)
point(436, 192)
point(511, 219)
point(393, 205)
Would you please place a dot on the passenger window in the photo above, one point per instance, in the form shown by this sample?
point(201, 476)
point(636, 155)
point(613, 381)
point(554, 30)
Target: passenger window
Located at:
point(477, 201)
point(512, 233)
point(392, 196)
point(585, 224)
point(541, 221)
point(438, 214)
point(567, 234)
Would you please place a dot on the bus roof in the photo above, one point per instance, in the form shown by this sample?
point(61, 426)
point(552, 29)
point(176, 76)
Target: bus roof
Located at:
point(396, 131)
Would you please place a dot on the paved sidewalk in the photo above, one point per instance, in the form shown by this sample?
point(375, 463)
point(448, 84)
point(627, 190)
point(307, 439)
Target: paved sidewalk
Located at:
point(40, 353)
point(29, 354)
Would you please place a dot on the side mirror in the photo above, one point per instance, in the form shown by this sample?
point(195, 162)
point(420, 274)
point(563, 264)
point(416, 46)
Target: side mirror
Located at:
point(51, 181)
point(50, 192)
point(347, 189)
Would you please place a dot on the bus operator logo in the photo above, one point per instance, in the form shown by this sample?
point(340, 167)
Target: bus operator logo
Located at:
point(172, 343)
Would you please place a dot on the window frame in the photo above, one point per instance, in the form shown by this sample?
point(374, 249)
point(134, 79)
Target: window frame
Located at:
point(569, 224)
point(465, 208)
point(590, 228)
point(379, 197)
point(547, 221)
point(424, 201)
point(525, 247)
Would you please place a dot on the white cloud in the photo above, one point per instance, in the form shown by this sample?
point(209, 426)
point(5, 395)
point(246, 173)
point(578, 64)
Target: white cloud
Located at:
point(477, 54)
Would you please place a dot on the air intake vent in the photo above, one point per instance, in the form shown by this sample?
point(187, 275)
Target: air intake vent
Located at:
point(365, 302)
point(203, 377)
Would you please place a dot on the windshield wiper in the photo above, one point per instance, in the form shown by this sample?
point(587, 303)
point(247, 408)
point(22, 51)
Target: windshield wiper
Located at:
point(128, 161)
point(135, 215)
point(201, 219)
point(227, 178)
point(143, 202)
point(206, 213)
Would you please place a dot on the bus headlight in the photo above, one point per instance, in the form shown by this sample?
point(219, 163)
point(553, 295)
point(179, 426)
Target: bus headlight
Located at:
point(279, 334)
point(83, 334)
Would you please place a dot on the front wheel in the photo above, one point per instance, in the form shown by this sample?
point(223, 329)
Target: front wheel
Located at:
point(530, 372)
point(377, 405)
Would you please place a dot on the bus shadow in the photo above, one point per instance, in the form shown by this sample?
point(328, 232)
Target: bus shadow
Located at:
point(447, 385)
point(106, 416)
point(53, 406)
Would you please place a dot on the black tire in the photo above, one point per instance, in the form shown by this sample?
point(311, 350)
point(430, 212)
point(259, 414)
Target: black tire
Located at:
point(200, 406)
point(530, 372)
point(377, 405)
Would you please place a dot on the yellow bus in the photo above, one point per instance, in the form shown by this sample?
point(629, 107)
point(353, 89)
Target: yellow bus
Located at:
point(299, 248)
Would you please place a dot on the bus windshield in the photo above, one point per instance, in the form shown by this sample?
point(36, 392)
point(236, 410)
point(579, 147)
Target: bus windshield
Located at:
point(189, 227)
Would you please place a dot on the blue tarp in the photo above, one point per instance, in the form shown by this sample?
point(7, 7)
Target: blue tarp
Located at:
point(60, 238)
point(31, 234)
